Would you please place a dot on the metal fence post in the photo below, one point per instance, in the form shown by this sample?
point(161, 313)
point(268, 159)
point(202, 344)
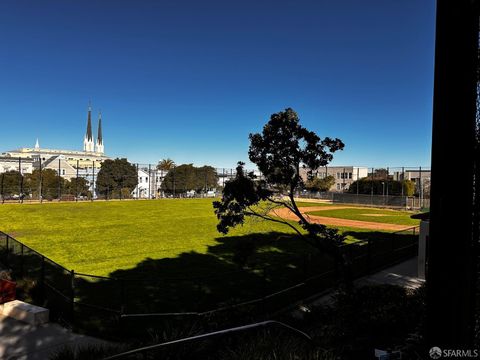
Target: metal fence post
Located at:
point(122, 296)
point(173, 174)
point(93, 180)
point(388, 172)
point(59, 194)
point(358, 179)
point(21, 259)
point(393, 243)
point(20, 180)
point(7, 252)
point(1, 188)
point(371, 188)
point(40, 187)
point(72, 297)
point(420, 202)
point(76, 184)
point(369, 256)
point(149, 181)
point(138, 185)
point(305, 265)
point(42, 280)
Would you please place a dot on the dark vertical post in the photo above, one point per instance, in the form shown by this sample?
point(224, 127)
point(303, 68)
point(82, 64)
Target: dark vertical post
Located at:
point(59, 193)
point(20, 181)
point(21, 259)
point(93, 180)
point(388, 172)
point(122, 296)
point(403, 180)
point(72, 297)
point(206, 181)
point(371, 188)
point(40, 187)
point(451, 277)
point(173, 173)
point(42, 280)
point(223, 177)
point(149, 182)
point(76, 184)
point(7, 253)
point(420, 188)
point(358, 178)
point(369, 256)
point(138, 183)
point(1, 187)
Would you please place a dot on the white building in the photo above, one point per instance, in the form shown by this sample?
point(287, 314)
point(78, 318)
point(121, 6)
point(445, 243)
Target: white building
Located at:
point(92, 152)
point(149, 183)
point(344, 175)
point(61, 166)
point(25, 166)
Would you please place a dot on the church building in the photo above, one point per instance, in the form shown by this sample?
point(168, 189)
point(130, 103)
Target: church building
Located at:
point(91, 157)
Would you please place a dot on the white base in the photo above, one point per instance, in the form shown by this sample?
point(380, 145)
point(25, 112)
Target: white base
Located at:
point(31, 314)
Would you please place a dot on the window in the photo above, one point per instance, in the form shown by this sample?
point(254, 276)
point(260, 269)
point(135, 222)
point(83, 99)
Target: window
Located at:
point(338, 186)
point(349, 175)
point(338, 175)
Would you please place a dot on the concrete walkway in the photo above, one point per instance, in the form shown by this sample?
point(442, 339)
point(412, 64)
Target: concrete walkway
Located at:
point(403, 274)
point(22, 341)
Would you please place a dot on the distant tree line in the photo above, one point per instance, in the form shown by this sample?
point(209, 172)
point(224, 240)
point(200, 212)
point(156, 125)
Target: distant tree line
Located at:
point(48, 182)
point(116, 179)
point(187, 177)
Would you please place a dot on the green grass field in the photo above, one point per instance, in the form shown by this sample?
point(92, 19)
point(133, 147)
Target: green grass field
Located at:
point(101, 237)
point(168, 252)
point(373, 215)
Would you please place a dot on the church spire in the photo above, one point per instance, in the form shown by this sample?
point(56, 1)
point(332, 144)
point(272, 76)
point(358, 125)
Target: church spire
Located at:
point(37, 145)
point(99, 145)
point(88, 144)
point(89, 124)
point(99, 137)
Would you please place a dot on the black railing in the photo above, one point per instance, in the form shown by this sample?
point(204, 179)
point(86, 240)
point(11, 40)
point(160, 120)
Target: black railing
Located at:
point(116, 303)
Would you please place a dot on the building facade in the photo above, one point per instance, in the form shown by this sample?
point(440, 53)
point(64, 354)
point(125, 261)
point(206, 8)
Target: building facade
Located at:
point(24, 166)
point(93, 152)
point(344, 175)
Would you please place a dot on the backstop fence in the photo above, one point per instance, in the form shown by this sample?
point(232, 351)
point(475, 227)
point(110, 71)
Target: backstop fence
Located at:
point(61, 180)
point(121, 306)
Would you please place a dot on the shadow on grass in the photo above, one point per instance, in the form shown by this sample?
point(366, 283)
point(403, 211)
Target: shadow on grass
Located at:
point(234, 270)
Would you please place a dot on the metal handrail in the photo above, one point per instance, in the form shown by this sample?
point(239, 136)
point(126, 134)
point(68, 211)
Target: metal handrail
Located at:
point(215, 333)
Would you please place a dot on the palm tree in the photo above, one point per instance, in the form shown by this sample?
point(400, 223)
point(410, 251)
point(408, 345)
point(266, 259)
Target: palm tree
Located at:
point(165, 164)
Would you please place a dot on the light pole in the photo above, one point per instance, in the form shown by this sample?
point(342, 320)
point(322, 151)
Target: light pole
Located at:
point(383, 188)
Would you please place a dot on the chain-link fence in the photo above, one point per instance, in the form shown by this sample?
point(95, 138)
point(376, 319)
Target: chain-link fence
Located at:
point(63, 180)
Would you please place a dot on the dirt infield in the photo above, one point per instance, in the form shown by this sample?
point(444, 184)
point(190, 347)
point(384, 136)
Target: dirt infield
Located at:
point(286, 214)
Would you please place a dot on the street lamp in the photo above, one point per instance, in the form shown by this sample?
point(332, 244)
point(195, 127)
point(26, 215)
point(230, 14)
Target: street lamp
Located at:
point(383, 188)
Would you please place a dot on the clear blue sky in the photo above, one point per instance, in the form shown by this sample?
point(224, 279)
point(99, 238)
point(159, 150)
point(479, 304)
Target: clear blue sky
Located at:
point(191, 79)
